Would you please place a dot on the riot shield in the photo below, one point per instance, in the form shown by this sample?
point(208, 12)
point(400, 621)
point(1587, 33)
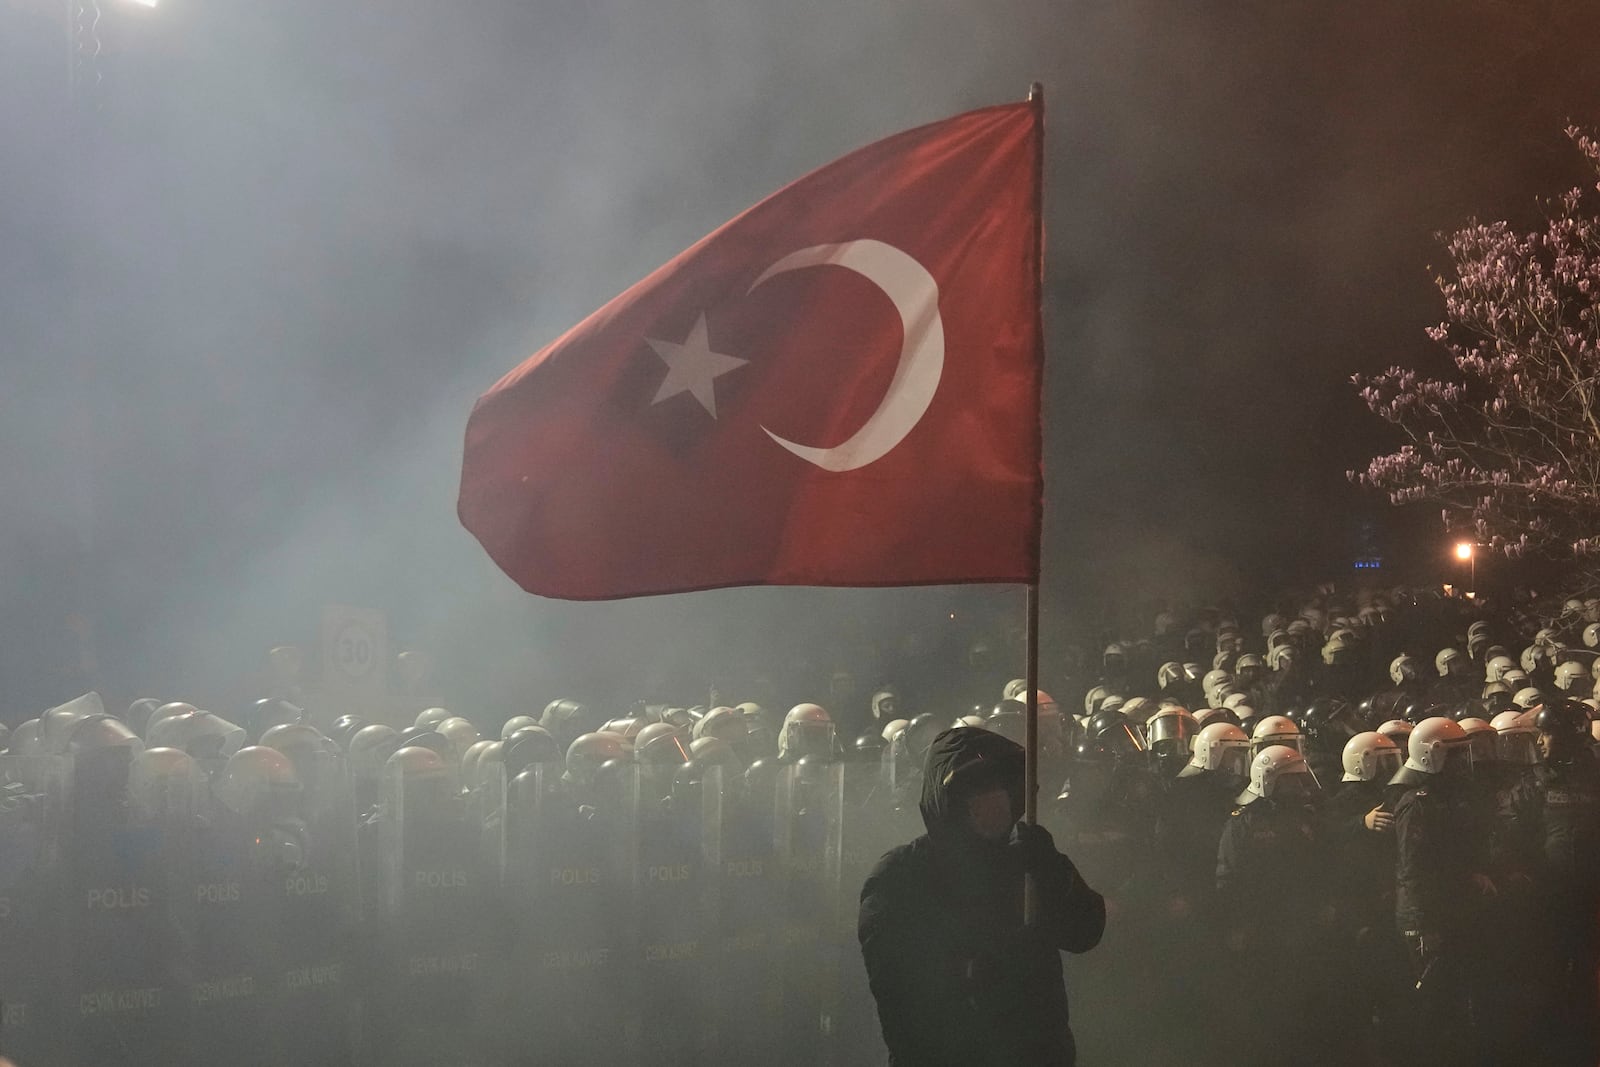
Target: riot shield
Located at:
point(125, 992)
point(570, 875)
point(224, 906)
point(808, 831)
point(33, 792)
point(748, 982)
point(871, 826)
point(679, 854)
point(313, 911)
point(433, 930)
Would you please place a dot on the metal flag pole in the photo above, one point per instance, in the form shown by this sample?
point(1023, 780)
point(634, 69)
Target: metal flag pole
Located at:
point(1030, 903)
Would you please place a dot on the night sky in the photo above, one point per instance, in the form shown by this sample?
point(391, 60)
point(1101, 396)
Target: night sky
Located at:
point(252, 279)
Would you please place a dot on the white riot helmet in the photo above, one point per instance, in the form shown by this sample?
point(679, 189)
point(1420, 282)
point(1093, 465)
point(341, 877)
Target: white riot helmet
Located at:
point(1432, 741)
point(370, 748)
point(1275, 730)
point(1219, 746)
point(1282, 656)
point(1213, 681)
point(431, 718)
point(1014, 689)
point(725, 723)
point(1495, 670)
point(166, 711)
point(1273, 768)
point(626, 729)
point(1515, 738)
point(163, 782)
point(893, 728)
point(661, 743)
point(460, 733)
point(713, 752)
point(1402, 669)
point(1527, 697)
point(977, 722)
point(1591, 635)
point(1370, 757)
point(1170, 674)
point(25, 740)
point(1396, 730)
point(886, 703)
point(470, 758)
point(198, 733)
point(1535, 655)
point(515, 723)
point(1515, 679)
point(258, 781)
point(1235, 701)
point(1092, 699)
point(1448, 662)
point(1140, 709)
point(807, 731)
point(1339, 646)
point(1249, 662)
point(587, 753)
point(1571, 677)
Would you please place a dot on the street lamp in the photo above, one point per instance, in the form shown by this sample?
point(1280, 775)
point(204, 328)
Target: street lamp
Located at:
point(1465, 553)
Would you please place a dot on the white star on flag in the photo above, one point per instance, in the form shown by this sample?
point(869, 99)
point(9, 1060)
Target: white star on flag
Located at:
point(692, 367)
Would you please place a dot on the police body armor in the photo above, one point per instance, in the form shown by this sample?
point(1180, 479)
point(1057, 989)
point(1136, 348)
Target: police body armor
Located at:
point(571, 860)
point(126, 996)
point(433, 929)
point(33, 793)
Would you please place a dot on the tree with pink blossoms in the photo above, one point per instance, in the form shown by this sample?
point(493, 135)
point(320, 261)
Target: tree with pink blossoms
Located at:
point(1509, 447)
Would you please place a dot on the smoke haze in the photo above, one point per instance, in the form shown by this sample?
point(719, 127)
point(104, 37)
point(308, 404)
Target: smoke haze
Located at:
point(254, 278)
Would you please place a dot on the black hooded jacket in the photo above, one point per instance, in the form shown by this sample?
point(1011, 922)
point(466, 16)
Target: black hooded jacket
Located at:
point(958, 978)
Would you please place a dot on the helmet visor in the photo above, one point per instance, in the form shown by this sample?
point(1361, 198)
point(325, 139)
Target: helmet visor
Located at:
point(1231, 758)
point(1517, 748)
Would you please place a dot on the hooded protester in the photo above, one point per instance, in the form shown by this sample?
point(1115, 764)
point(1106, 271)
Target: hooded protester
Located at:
point(957, 976)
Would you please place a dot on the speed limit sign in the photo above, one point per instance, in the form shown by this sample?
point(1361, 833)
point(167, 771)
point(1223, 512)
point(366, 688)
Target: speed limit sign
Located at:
point(355, 647)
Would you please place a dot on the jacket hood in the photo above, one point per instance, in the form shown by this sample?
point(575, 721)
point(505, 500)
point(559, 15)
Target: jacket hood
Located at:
point(959, 757)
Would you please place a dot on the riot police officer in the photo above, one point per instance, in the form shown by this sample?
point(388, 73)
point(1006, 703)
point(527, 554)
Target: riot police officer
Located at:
point(1441, 883)
point(1271, 884)
point(1554, 830)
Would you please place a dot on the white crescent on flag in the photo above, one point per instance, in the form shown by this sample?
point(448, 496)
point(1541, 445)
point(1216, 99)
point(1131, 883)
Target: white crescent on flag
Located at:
point(915, 295)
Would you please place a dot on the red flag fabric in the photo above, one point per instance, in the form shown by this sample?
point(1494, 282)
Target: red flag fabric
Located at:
point(838, 387)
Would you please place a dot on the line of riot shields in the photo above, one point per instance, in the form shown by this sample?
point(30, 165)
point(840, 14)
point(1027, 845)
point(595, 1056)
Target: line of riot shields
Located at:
point(299, 906)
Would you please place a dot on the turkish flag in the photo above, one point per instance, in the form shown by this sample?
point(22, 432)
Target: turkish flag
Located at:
point(838, 387)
